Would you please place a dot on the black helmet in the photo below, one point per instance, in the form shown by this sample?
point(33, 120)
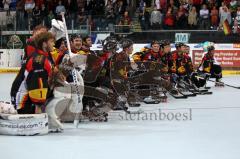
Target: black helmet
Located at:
point(178, 45)
point(110, 46)
point(125, 43)
point(109, 39)
point(110, 43)
point(210, 48)
point(164, 43)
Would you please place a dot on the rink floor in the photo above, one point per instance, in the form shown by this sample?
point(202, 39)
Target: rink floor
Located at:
point(208, 128)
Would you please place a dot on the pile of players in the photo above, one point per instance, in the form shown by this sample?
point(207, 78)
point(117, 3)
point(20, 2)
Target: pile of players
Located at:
point(115, 78)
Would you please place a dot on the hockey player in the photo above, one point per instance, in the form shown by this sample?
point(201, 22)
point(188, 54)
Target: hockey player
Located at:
point(159, 60)
point(59, 51)
point(210, 66)
point(180, 64)
point(120, 67)
point(33, 90)
point(153, 54)
point(29, 49)
point(87, 44)
point(77, 44)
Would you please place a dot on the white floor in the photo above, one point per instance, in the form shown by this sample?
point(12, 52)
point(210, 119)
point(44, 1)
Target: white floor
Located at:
point(211, 131)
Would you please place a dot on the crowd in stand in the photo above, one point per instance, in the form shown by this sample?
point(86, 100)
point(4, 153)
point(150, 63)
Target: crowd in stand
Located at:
point(151, 14)
point(189, 14)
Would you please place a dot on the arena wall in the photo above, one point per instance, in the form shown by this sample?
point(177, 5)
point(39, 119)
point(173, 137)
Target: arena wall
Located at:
point(228, 55)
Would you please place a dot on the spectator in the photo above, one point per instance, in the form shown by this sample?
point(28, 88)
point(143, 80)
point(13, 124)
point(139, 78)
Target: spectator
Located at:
point(50, 17)
point(60, 8)
point(233, 7)
point(6, 4)
point(119, 10)
point(110, 19)
point(221, 8)
point(72, 9)
point(181, 18)
point(20, 14)
point(144, 19)
point(142, 6)
point(214, 18)
point(29, 5)
point(204, 17)
point(126, 22)
point(89, 7)
point(156, 19)
point(169, 19)
point(173, 6)
point(44, 14)
point(192, 18)
point(81, 19)
point(236, 27)
point(108, 7)
point(225, 15)
point(190, 5)
point(157, 4)
point(10, 20)
point(36, 16)
point(238, 15)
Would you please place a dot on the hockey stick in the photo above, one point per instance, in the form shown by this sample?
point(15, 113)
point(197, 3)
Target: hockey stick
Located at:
point(193, 89)
point(218, 82)
point(76, 110)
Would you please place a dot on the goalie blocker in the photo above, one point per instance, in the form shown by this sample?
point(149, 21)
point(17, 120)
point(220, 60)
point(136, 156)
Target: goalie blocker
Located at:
point(23, 125)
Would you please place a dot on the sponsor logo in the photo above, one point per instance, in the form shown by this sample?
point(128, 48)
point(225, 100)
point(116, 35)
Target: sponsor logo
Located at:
point(226, 46)
point(236, 45)
point(198, 46)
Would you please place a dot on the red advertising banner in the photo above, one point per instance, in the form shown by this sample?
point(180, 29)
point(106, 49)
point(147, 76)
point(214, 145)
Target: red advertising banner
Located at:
point(226, 58)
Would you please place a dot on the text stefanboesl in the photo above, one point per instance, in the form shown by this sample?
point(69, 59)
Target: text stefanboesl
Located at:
point(161, 115)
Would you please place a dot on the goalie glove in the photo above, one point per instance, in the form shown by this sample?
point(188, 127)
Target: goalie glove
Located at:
point(57, 29)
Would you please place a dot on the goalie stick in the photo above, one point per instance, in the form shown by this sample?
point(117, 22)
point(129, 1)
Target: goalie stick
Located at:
point(75, 109)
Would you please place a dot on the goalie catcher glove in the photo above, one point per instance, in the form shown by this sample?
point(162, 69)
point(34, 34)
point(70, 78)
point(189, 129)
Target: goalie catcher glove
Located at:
point(57, 29)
